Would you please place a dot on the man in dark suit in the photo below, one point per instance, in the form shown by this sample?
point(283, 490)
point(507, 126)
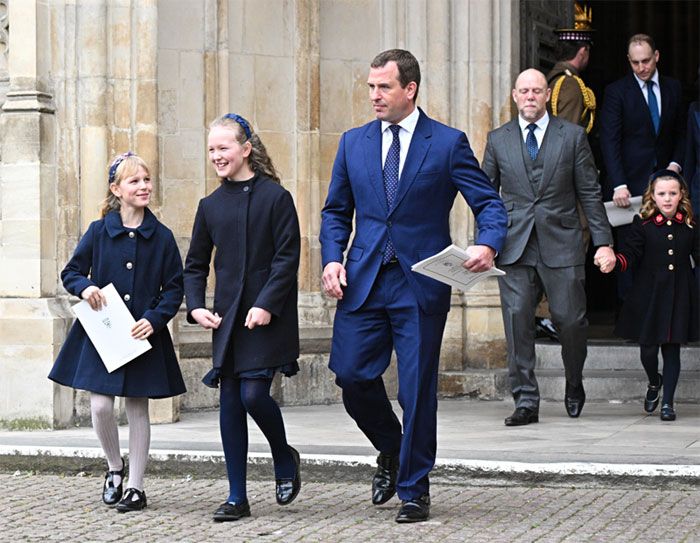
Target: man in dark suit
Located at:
point(398, 176)
point(642, 125)
point(542, 165)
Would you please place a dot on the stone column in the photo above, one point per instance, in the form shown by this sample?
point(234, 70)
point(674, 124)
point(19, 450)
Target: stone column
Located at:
point(32, 319)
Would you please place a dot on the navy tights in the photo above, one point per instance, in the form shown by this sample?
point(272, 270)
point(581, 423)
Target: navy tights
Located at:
point(671, 353)
point(250, 396)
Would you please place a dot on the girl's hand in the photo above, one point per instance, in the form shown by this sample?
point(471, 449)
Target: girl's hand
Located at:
point(257, 317)
point(206, 319)
point(142, 329)
point(94, 297)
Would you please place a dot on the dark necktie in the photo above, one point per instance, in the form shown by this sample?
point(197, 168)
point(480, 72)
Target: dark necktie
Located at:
point(653, 106)
point(531, 141)
point(391, 185)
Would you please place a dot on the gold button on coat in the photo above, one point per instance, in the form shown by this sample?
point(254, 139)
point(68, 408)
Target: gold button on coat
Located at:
point(670, 267)
point(131, 234)
point(127, 297)
point(129, 265)
point(670, 251)
point(670, 237)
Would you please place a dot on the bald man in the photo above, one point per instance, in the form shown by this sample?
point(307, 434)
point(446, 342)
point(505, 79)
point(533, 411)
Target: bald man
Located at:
point(542, 165)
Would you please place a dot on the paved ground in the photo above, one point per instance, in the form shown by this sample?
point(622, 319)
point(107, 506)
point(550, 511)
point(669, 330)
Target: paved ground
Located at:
point(614, 475)
point(55, 508)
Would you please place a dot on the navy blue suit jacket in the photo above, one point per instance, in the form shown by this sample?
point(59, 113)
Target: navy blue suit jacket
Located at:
point(631, 150)
point(439, 164)
point(691, 166)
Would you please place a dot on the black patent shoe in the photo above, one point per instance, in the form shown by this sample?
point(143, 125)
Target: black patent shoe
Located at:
point(384, 480)
point(133, 500)
point(574, 399)
point(651, 400)
point(287, 489)
point(415, 510)
point(112, 494)
point(232, 511)
point(522, 416)
point(667, 412)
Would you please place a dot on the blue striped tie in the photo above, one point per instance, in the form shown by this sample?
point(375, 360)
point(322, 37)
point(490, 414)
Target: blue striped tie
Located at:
point(391, 185)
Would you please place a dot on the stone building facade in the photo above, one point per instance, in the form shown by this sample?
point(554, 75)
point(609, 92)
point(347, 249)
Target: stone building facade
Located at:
point(81, 80)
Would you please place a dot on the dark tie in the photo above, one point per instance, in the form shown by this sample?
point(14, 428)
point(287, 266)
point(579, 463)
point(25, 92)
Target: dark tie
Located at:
point(391, 185)
point(653, 106)
point(531, 141)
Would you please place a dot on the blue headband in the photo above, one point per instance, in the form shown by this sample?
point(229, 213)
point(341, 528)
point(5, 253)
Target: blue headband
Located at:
point(116, 163)
point(240, 120)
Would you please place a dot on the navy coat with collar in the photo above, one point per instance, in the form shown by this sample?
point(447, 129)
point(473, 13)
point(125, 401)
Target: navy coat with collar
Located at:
point(146, 269)
point(256, 269)
point(631, 149)
point(662, 307)
point(691, 165)
point(439, 164)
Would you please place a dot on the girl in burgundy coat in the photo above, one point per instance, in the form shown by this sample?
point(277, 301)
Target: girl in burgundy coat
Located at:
point(661, 310)
point(252, 223)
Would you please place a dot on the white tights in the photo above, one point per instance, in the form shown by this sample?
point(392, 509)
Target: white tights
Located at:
point(105, 424)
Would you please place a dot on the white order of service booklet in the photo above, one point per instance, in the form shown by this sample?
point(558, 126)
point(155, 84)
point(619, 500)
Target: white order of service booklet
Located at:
point(109, 329)
point(446, 266)
point(617, 216)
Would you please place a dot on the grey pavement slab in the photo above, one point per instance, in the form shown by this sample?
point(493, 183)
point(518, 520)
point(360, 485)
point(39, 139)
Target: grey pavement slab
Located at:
point(36, 507)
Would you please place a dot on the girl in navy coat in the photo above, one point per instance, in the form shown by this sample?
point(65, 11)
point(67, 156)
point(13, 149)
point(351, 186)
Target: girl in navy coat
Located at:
point(252, 222)
point(662, 308)
point(130, 248)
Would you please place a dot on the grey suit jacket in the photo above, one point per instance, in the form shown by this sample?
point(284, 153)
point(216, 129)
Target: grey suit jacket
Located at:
point(569, 175)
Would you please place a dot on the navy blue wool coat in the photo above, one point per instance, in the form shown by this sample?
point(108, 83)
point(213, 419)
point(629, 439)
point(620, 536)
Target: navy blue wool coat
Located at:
point(146, 268)
point(255, 231)
point(663, 305)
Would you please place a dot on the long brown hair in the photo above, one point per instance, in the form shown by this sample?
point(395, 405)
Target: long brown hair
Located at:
point(649, 207)
point(258, 160)
point(121, 167)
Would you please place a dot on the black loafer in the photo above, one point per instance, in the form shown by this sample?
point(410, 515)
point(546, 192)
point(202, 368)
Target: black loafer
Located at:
point(545, 328)
point(651, 400)
point(574, 398)
point(384, 480)
point(287, 489)
point(133, 500)
point(522, 416)
point(232, 511)
point(112, 494)
point(667, 412)
point(415, 510)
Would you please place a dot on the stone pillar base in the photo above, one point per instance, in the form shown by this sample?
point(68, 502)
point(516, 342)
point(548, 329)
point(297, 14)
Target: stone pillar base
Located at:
point(31, 333)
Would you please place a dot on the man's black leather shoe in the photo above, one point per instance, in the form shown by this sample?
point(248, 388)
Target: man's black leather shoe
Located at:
point(651, 400)
point(415, 510)
point(574, 398)
point(232, 511)
point(522, 416)
point(287, 489)
point(384, 480)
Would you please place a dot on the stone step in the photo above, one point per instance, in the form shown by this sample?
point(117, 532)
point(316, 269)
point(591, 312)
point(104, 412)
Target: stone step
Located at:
point(601, 385)
point(611, 355)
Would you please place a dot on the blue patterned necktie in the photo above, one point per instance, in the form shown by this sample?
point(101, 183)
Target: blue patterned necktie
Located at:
point(531, 141)
point(653, 106)
point(391, 185)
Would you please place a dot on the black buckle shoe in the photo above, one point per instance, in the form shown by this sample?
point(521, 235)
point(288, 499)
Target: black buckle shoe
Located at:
point(232, 511)
point(287, 489)
point(574, 399)
point(667, 412)
point(384, 480)
point(415, 510)
point(112, 494)
point(133, 500)
point(651, 400)
point(522, 416)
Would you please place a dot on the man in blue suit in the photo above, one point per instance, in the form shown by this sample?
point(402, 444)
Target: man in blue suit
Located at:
point(398, 177)
point(642, 126)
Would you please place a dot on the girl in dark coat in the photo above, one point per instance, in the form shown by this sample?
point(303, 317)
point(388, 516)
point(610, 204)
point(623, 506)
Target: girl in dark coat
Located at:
point(130, 248)
point(252, 222)
point(662, 308)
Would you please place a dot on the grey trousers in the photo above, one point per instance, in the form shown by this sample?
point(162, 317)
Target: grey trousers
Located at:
point(521, 290)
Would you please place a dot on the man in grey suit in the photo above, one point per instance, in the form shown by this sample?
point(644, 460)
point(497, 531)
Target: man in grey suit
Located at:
point(542, 165)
